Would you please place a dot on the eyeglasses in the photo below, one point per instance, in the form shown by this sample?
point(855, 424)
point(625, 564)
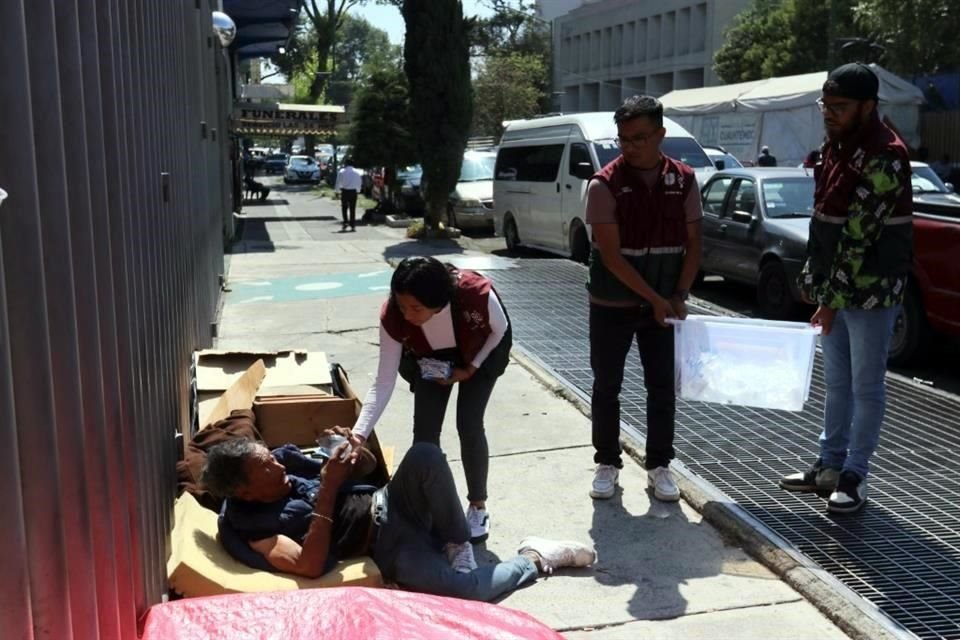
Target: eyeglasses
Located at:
point(836, 109)
point(635, 141)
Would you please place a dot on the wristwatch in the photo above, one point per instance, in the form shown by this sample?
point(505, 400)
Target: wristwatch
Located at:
point(683, 294)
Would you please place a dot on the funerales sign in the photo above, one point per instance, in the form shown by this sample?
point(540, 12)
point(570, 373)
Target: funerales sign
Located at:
point(286, 119)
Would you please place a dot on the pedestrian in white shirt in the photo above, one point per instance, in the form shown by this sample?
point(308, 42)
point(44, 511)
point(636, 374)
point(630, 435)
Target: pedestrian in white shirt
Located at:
point(443, 326)
point(348, 184)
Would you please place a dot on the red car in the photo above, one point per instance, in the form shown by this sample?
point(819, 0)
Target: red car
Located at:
point(932, 303)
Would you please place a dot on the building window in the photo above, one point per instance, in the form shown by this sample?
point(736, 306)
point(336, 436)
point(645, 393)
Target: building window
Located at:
point(683, 31)
point(584, 52)
point(689, 78)
point(668, 37)
point(698, 28)
point(617, 46)
point(607, 45)
point(654, 26)
point(640, 43)
point(596, 50)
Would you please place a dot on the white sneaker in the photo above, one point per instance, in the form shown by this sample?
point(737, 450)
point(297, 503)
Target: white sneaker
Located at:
point(604, 481)
point(556, 554)
point(664, 487)
point(479, 521)
point(460, 557)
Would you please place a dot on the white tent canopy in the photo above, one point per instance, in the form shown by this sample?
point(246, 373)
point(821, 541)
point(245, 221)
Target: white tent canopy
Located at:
point(780, 113)
point(707, 99)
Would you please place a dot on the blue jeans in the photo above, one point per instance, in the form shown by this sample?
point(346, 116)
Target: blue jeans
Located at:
point(423, 513)
point(855, 365)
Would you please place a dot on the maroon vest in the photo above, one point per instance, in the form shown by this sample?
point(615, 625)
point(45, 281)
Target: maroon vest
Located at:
point(650, 218)
point(469, 310)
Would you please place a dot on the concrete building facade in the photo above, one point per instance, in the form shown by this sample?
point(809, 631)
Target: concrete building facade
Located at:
point(610, 49)
point(549, 10)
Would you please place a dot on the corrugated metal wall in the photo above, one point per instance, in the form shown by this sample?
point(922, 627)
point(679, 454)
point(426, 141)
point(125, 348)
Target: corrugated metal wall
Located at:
point(114, 152)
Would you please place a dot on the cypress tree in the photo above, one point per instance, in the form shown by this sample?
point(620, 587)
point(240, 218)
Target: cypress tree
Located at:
point(436, 56)
point(380, 132)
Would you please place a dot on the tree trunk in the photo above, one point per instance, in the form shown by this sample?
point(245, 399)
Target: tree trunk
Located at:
point(436, 211)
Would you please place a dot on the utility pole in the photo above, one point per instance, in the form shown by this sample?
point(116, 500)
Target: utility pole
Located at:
point(833, 21)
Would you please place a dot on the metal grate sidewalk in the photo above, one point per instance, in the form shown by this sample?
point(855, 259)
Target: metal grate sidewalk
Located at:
point(902, 552)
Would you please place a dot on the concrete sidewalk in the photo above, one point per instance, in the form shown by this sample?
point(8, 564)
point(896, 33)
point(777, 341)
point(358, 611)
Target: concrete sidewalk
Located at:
point(662, 571)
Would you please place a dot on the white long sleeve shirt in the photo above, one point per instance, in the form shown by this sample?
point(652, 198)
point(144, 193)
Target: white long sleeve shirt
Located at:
point(348, 178)
point(439, 333)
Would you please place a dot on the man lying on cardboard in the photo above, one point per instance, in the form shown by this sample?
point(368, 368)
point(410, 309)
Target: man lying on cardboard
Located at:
point(287, 512)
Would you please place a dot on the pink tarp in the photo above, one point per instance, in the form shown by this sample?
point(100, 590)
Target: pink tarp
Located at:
point(338, 614)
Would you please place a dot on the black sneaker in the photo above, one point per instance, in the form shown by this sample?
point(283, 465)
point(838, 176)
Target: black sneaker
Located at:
point(851, 494)
point(817, 478)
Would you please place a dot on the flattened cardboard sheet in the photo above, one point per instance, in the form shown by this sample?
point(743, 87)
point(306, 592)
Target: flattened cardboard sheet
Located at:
point(218, 369)
point(240, 395)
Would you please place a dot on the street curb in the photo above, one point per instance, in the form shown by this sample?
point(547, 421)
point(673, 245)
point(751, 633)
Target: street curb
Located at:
point(399, 223)
point(856, 617)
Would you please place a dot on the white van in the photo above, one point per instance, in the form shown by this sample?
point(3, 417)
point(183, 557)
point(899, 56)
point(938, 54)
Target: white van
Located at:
point(542, 170)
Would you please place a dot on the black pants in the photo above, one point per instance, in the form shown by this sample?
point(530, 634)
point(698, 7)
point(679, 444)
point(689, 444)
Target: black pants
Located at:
point(348, 203)
point(430, 401)
point(612, 331)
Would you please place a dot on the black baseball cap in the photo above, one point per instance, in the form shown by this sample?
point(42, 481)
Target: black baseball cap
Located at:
point(855, 81)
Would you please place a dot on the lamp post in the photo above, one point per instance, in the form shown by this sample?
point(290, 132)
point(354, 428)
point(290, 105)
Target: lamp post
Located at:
point(550, 86)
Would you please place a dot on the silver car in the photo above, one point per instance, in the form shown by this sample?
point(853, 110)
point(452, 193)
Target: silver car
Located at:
point(471, 202)
point(755, 228)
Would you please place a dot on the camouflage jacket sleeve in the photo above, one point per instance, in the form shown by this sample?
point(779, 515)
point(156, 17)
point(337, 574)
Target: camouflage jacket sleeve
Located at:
point(874, 201)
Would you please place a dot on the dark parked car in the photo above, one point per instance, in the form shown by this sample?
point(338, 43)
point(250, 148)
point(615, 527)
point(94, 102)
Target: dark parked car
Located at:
point(406, 190)
point(755, 227)
point(275, 163)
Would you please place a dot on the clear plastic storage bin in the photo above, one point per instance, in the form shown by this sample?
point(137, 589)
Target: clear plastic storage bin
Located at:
point(742, 361)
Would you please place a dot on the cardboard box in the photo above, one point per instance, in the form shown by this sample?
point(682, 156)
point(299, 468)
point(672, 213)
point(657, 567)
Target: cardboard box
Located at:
point(301, 422)
point(290, 372)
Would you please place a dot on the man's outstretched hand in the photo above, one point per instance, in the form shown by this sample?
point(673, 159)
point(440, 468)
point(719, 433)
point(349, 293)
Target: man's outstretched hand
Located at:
point(338, 468)
point(363, 459)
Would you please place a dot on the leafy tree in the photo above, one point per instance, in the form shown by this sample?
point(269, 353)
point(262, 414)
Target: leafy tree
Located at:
point(783, 37)
point(437, 64)
point(512, 87)
point(307, 61)
point(326, 18)
point(380, 133)
point(358, 45)
point(514, 27)
point(918, 34)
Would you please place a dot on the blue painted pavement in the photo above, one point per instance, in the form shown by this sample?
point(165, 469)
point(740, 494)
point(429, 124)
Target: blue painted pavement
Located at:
point(331, 285)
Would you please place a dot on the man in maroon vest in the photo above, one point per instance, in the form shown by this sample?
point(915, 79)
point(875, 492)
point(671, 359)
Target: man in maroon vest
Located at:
point(858, 260)
point(644, 210)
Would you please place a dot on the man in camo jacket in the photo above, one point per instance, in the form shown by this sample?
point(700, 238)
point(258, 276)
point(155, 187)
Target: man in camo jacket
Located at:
point(858, 263)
